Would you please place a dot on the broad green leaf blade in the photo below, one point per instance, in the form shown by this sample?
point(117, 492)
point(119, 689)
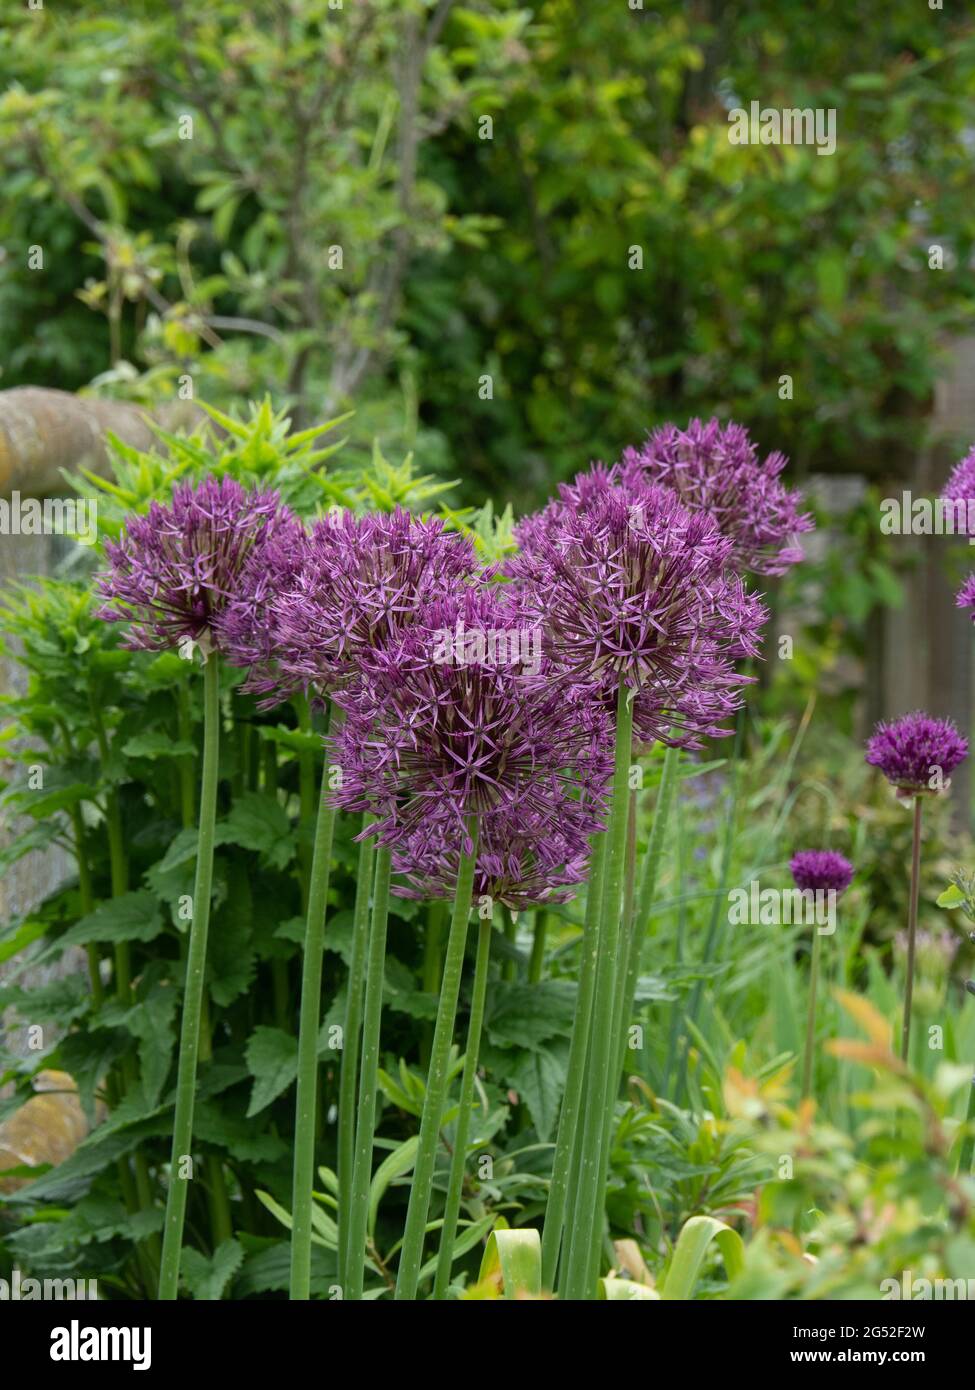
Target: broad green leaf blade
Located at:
point(692, 1245)
point(514, 1259)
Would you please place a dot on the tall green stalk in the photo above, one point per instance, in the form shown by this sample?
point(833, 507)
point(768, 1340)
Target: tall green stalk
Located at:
point(189, 1042)
point(603, 1054)
point(570, 1112)
point(458, 1162)
point(719, 904)
point(912, 929)
point(536, 963)
point(669, 777)
point(411, 1254)
point(351, 1034)
point(309, 1023)
point(366, 1125)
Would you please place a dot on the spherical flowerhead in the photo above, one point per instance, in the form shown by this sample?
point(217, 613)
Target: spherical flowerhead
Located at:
point(629, 586)
point(917, 754)
point(965, 597)
point(522, 861)
point(174, 570)
point(716, 469)
point(960, 489)
point(246, 633)
point(821, 869)
point(361, 582)
point(458, 719)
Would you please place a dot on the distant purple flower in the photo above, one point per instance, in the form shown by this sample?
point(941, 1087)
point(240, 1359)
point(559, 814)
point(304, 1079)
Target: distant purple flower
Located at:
point(174, 570)
point(434, 736)
point(362, 580)
point(959, 488)
point(630, 586)
point(821, 870)
point(716, 469)
point(966, 595)
point(911, 749)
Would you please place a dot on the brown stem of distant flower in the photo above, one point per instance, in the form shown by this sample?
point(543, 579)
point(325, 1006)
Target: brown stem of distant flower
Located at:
point(912, 929)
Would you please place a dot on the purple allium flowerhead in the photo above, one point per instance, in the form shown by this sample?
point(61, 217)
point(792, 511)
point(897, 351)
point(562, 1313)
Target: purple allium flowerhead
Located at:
point(965, 597)
point(821, 869)
point(362, 581)
point(960, 487)
point(521, 860)
point(916, 750)
point(716, 469)
point(459, 718)
point(631, 586)
point(584, 490)
point(245, 630)
point(174, 570)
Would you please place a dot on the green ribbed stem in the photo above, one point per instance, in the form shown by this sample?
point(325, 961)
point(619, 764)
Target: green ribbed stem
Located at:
point(569, 1114)
point(603, 1054)
point(351, 1035)
point(411, 1254)
point(458, 1163)
point(309, 1023)
point(189, 1041)
point(366, 1124)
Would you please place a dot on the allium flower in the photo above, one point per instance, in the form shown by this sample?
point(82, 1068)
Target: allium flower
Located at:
point(821, 870)
point(960, 487)
point(434, 736)
point(966, 595)
point(173, 571)
point(361, 581)
point(716, 469)
point(585, 489)
point(521, 861)
point(912, 749)
point(630, 586)
point(246, 633)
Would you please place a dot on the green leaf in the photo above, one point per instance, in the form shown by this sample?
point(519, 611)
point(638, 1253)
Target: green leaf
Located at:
point(539, 1078)
point(157, 745)
point(692, 1244)
point(259, 822)
point(514, 1260)
point(951, 897)
point(207, 1279)
point(394, 1165)
point(131, 917)
point(272, 1060)
point(527, 1015)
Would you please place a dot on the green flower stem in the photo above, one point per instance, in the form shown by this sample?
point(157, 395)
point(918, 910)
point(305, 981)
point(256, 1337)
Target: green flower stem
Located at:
point(569, 1113)
point(189, 1041)
point(309, 1023)
point(719, 904)
point(509, 971)
point(432, 966)
point(350, 1044)
point(306, 796)
point(536, 963)
point(912, 929)
point(603, 1054)
point(458, 1162)
point(411, 1254)
point(355, 1248)
point(807, 1063)
point(187, 762)
point(648, 882)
